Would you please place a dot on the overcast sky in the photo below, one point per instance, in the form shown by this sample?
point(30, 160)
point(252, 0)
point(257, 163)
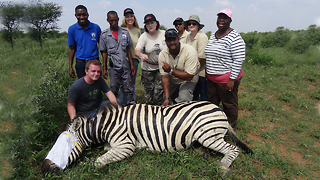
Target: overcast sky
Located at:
point(248, 15)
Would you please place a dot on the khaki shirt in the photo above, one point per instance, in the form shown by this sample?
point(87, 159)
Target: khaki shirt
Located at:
point(184, 36)
point(134, 34)
point(199, 42)
point(186, 60)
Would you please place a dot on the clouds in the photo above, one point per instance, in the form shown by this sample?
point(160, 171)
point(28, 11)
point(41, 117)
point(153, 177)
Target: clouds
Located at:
point(104, 3)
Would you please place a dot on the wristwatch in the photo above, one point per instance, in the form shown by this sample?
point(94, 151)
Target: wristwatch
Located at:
point(167, 98)
point(170, 72)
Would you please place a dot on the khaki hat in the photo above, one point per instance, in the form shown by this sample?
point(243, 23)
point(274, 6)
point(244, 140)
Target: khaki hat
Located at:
point(193, 18)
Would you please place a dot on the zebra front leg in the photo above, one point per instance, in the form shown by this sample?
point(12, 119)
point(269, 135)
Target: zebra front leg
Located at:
point(115, 154)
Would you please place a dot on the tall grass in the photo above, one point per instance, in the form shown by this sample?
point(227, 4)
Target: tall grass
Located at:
point(279, 98)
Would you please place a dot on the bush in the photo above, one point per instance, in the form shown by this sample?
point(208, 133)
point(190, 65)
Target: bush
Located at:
point(300, 43)
point(281, 36)
point(250, 39)
point(313, 34)
point(259, 58)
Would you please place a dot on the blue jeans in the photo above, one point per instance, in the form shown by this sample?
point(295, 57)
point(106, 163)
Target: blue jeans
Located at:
point(201, 89)
point(80, 69)
point(94, 112)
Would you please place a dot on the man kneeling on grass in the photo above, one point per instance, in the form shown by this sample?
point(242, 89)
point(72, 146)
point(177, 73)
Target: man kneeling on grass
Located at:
point(85, 95)
point(179, 68)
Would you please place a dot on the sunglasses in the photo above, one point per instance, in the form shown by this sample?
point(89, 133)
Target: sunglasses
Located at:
point(178, 24)
point(192, 23)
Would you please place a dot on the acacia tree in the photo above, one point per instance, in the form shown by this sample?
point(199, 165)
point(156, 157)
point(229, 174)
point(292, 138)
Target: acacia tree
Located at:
point(11, 15)
point(42, 16)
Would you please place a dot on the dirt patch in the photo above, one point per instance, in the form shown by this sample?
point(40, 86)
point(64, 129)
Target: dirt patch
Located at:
point(9, 90)
point(243, 113)
point(7, 169)
point(6, 126)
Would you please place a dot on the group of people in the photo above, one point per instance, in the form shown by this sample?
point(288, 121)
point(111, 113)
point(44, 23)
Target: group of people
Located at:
point(177, 65)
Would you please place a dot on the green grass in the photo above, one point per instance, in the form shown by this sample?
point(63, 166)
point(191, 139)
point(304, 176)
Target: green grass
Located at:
point(279, 101)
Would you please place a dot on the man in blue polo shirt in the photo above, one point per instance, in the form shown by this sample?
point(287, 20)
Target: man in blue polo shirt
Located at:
point(83, 37)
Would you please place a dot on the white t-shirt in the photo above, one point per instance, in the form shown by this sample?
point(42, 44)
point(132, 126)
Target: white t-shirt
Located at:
point(151, 46)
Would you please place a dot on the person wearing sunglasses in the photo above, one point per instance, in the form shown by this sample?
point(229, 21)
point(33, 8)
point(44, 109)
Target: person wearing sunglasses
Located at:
point(178, 24)
point(83, 37)
point(179, 66)
point(148, 48)
point(199, 41)
point(225, 54)
point(130, 23)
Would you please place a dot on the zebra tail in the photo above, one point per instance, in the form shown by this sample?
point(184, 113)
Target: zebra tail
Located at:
point(237, 141)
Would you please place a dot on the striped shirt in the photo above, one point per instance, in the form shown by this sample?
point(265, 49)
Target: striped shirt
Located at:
point(225, 54)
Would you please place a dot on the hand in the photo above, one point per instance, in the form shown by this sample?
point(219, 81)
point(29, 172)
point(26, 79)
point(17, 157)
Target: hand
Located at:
point(230, 84)
point(144, 57)
point(133, 70)
point(166, 102)
point(71, 72)
point(166, 67)
point(105, 74)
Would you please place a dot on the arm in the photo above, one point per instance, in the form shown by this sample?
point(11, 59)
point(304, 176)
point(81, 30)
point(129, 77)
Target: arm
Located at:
point(104, 64)
point(133, 70)
point(142, 56)
point(71, 107)
point(179, 74)
point(166, 88)
point(112, 97)
point(71, 53)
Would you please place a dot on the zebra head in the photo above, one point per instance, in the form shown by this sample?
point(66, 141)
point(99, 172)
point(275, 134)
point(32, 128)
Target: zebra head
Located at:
point(68, 146)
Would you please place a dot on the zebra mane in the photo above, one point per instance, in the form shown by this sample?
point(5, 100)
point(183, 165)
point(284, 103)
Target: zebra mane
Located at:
point(109, 107)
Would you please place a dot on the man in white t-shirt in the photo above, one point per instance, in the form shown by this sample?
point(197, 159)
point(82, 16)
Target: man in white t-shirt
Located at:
point(179, 68)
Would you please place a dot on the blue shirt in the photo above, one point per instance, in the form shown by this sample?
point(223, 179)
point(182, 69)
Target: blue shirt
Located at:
point(84, 40)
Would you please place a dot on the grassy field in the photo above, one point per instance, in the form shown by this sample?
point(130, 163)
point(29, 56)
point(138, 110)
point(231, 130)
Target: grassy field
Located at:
point(279, 101)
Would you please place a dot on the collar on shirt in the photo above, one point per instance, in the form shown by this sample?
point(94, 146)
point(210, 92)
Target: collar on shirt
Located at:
point(89, 26)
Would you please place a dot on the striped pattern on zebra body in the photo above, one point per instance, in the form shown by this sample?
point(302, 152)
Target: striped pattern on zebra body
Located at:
point(159, 128)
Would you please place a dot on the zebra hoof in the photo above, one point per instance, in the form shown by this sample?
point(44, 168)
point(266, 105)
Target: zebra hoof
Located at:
point(50, 167)
point(224, 170)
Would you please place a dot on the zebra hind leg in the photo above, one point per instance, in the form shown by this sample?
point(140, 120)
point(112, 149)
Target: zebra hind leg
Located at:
point(230, 152)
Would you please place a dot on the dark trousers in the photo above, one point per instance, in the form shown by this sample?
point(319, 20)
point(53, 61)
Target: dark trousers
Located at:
point(200, 90)
point(217, 93)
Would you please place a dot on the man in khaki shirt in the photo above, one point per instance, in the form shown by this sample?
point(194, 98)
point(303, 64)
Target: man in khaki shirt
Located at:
point(179, 68)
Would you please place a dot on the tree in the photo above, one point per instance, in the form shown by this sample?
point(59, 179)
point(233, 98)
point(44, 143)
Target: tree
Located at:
point(11, 15)
point(42, 16)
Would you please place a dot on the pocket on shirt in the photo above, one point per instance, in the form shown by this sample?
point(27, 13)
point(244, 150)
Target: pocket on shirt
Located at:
point(112, 49)
point(124, 46)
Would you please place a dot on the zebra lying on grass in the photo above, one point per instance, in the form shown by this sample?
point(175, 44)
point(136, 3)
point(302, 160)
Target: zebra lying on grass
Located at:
point(159, 128)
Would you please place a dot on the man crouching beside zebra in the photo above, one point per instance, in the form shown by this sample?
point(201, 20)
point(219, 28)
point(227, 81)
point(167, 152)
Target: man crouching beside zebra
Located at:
point(158, 128)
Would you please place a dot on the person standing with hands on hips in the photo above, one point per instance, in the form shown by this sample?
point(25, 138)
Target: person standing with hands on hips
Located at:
point(115, 43)
point(225, 54)
point(83, 37)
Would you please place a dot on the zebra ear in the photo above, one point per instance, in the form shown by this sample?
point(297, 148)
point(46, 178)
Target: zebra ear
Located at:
point(76, 124)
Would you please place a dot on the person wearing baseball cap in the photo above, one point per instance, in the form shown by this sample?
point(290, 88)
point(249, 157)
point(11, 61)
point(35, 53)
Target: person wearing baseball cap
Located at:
point(179, 66)
point(199, 41)
point(149, 45)
point(225, 54)
point(179, 25)
point(129, 22)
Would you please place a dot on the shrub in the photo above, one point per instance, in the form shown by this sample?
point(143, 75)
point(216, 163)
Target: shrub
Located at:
point(313, 34)
point(251, 39)
point(300, 43)
point(259, 58)
point(281, 36)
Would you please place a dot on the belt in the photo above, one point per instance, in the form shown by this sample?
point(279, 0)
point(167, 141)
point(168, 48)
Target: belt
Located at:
point(150, 63)
point(85, 60)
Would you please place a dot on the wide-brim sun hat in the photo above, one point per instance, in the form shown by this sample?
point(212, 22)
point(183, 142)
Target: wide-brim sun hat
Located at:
point(193, 18)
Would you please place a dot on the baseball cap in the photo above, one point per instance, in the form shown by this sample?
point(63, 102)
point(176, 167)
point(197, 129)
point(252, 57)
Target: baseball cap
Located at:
point(179, 19)
point(171, 33)
point(227, 12)
point(149, 17)
point(127, 11)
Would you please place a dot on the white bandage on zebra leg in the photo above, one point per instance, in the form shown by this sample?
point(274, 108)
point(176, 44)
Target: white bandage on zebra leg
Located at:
point(62, 148)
